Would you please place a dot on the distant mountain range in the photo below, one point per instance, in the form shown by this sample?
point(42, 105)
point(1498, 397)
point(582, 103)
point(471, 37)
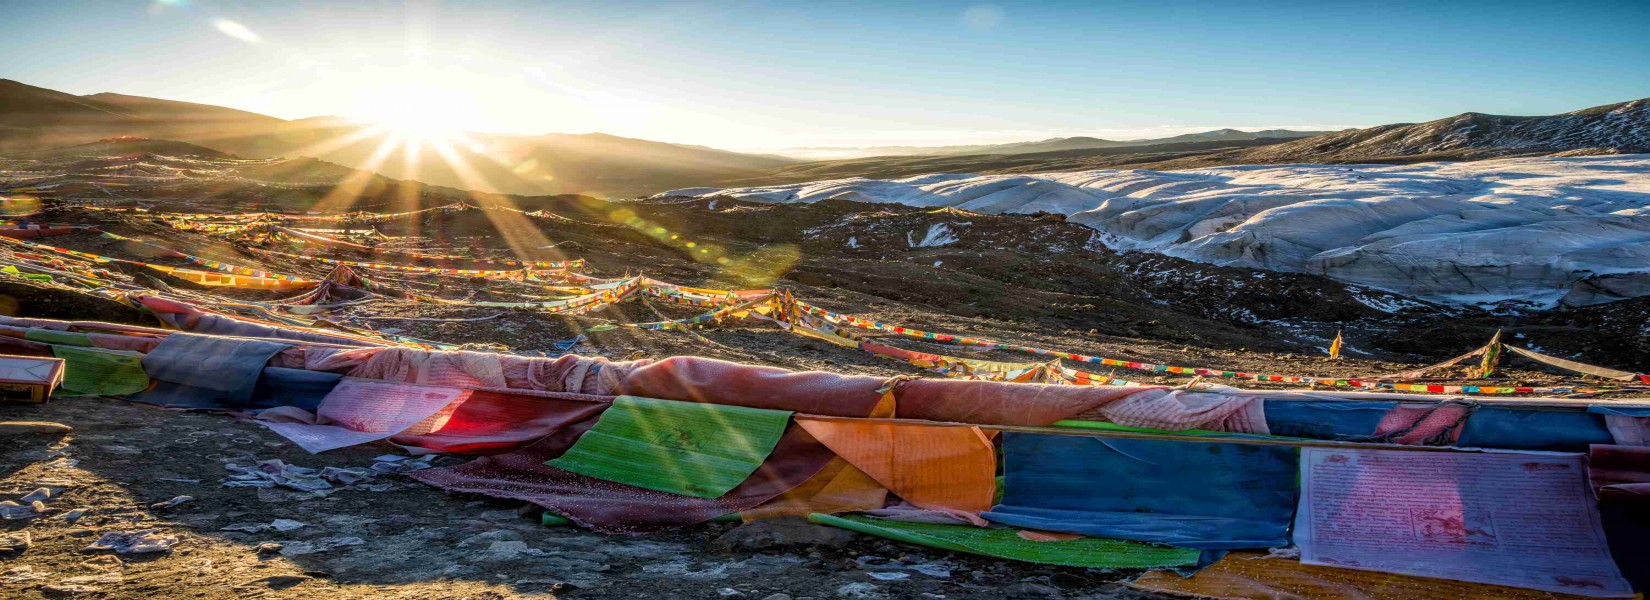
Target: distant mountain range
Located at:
point(1621, 128)
point(1048, 145)
point(33, 119)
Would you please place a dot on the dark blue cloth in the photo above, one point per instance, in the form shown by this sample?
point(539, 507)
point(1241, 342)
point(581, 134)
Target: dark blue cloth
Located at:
point(1626, 411)
point(1525, 429)
point(1324, 419)
point(202, 371)
point(1189, 494)
point(293, 387)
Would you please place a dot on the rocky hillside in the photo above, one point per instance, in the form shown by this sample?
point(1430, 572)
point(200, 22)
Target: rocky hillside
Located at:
point(1622, 128)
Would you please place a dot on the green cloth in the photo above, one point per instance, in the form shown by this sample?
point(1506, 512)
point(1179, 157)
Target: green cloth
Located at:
point(687, 448)
point(99, 372)
point(1000, 542)
point(15, 271)
point(60, 338)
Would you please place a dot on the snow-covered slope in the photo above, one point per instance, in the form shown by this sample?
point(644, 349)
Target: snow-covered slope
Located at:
point(1573, 229)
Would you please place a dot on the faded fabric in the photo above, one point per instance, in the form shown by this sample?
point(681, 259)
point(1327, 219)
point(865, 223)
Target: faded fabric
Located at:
point(1624, 510)
point(1184, 409)
point(200, 371)
point(1325, 419)
point(112, 341)
point(1629, 426)
point(1007, 543)
point(930, 467)
point(22, 347)
point(1617, 465)
point(999, 403)
point(98, 372)
point(1424, 424)
point(570, 373)
point(358, 411)
point(610, 507)
point(1524, 429)
point(495, 422)
point(59, 338)
point(707, 380)
point(838, 487)
point(293, 387)
point(688, 448)
point(1203, 495)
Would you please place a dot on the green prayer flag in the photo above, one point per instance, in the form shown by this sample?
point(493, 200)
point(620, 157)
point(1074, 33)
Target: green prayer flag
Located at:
point(1002, 542)
point(99, 372)
point(60, 338)
point(15, 271)
point(688, 448)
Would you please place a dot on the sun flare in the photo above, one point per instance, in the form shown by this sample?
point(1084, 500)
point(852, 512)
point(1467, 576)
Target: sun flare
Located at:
point(420, 112)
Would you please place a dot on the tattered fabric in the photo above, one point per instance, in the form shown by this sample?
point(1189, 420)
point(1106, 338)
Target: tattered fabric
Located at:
point(202, 371)
point(609, 507)
point(1526, 429)
point(1205, 495)
point(720, 382)
point(999, 403)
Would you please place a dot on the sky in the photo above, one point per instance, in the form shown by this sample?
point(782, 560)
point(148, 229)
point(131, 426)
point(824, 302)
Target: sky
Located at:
point(748, 75)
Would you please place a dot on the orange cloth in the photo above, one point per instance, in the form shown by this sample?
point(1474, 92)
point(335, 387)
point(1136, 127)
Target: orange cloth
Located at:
point(929, 466)
point(1244, 575)
point(837, 488)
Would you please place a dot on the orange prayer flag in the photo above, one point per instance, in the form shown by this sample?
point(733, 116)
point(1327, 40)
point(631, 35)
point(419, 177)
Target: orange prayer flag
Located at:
point(928, 466)
point(837, 488)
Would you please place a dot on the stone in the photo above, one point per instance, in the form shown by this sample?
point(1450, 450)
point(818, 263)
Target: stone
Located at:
point(105, 561)
point(176, 500)
point(14, 428)
point(860, 589)
point(38, 495)
point(134, 542)
point(1028, 589)
point(784, 532)
point(15, 542)
point(279, 582)
point(487, 538)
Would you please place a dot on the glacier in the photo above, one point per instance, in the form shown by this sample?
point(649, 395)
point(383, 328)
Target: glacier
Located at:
point(1550, 230)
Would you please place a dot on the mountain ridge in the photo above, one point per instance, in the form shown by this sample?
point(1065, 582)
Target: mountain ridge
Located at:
point(1055, 144)
point(35, 119)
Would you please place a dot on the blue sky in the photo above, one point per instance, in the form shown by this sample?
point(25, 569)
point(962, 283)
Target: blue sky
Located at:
point(768, 75)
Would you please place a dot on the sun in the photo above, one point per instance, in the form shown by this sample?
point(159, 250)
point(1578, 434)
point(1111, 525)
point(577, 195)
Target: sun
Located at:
point(420, 111)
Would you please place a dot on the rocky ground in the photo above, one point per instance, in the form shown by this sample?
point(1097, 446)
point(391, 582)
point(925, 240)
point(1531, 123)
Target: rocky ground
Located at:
point(124, 466)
